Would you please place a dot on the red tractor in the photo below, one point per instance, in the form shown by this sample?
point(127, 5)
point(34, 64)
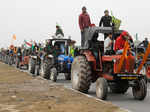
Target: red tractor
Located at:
point(114, 71)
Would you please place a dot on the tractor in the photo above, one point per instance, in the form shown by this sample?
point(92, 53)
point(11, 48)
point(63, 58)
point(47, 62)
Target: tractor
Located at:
point(22, 59)
point(140, 51)
point(58, 60)
point(114, 72)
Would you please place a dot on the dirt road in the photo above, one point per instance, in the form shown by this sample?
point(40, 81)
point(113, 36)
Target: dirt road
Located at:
point(19, 92)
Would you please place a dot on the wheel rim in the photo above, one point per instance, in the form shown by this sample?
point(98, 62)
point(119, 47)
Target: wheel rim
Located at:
point(100, 91)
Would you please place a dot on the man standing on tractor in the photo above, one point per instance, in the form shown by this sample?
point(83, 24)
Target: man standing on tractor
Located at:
point(59, 31)
point(84, 24)
point(108, 44)
point(106, 21)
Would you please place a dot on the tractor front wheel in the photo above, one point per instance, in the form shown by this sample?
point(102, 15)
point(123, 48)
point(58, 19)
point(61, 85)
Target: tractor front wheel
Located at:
point(81, 74)
point(101, 88)
point(53, 74)
point(140, 90)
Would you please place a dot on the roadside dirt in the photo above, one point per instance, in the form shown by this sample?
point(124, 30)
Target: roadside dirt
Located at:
point(19, 92)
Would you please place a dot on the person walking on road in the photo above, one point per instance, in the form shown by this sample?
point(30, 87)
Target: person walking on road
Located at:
point(106, 21)
point(84, 24)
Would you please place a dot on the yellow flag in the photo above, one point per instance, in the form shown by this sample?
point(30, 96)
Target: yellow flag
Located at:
point(14, 37)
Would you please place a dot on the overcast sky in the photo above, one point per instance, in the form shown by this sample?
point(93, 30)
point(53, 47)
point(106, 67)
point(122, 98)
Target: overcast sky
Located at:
point(36, 19)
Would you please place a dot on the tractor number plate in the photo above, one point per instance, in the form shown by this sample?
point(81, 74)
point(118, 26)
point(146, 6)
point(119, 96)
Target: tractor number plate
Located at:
point(128, 78)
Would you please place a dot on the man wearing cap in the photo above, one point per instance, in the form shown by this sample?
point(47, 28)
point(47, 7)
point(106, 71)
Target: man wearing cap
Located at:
point(84, 24)
point(106, 21)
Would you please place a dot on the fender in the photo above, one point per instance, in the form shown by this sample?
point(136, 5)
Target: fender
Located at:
point(90, 58)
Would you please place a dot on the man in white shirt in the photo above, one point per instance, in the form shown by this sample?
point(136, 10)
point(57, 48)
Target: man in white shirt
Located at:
point(108, 43)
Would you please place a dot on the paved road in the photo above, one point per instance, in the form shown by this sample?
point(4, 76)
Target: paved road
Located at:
point(124, 101)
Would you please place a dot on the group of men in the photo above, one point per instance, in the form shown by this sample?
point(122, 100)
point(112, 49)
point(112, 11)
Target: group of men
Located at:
point(106, 21)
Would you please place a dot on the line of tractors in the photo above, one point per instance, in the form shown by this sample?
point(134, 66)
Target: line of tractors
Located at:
point(88, 64)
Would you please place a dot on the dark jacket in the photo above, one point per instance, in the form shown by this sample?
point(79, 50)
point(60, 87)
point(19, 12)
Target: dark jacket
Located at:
point(59, 31)
point(106, 21)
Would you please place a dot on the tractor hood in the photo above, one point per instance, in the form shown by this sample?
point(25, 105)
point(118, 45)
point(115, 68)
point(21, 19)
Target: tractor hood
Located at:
point(65, 58)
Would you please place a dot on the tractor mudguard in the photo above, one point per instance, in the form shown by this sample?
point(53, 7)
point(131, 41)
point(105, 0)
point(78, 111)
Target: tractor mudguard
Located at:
point(90, 58)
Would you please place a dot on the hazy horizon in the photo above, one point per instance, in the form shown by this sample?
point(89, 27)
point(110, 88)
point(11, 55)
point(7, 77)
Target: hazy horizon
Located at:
point(36, 19)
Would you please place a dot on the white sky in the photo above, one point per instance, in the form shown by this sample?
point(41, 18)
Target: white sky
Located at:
point(36, 19)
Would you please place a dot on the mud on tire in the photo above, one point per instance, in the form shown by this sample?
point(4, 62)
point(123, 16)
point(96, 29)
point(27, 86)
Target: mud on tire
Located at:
point(81, 74)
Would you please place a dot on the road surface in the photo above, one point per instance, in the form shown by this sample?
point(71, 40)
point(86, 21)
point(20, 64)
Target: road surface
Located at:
point(125, 101)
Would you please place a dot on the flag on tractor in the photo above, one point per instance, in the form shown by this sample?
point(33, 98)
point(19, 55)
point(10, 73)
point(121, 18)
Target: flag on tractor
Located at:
point(27, 43)
point(116, 21)
point(14, 37)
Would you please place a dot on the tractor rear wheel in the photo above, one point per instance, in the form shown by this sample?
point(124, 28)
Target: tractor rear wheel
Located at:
point(101, 88)
point(81, 74)
point(46, 69)
point(140, 90)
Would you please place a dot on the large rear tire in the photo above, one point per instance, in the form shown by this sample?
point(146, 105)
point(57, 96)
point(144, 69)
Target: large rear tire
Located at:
point(140, 90)
point(46, 68)
point(101, 88)
point(81, 74)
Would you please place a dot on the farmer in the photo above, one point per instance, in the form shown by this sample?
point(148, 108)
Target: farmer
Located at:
point(59, 31)
point(108, 44)
point(84, 24)
point(106, 21)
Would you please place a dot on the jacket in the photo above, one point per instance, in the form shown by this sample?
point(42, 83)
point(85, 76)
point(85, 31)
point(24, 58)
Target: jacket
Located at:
point(84, 21)
point(105, 21)
point(120, 42)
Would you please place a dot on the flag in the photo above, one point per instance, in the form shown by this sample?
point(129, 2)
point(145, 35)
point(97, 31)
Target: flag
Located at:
point(116, 21)
point(14, 37)
point(27, 43)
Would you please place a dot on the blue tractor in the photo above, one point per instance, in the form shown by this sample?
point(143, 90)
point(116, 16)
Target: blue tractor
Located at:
point(58, 60)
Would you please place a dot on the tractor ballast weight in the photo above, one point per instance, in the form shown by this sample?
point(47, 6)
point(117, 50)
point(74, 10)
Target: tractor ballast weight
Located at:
point(114, 71)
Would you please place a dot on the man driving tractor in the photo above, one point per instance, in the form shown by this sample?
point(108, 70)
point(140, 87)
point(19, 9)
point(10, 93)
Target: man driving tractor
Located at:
point(120, 42)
